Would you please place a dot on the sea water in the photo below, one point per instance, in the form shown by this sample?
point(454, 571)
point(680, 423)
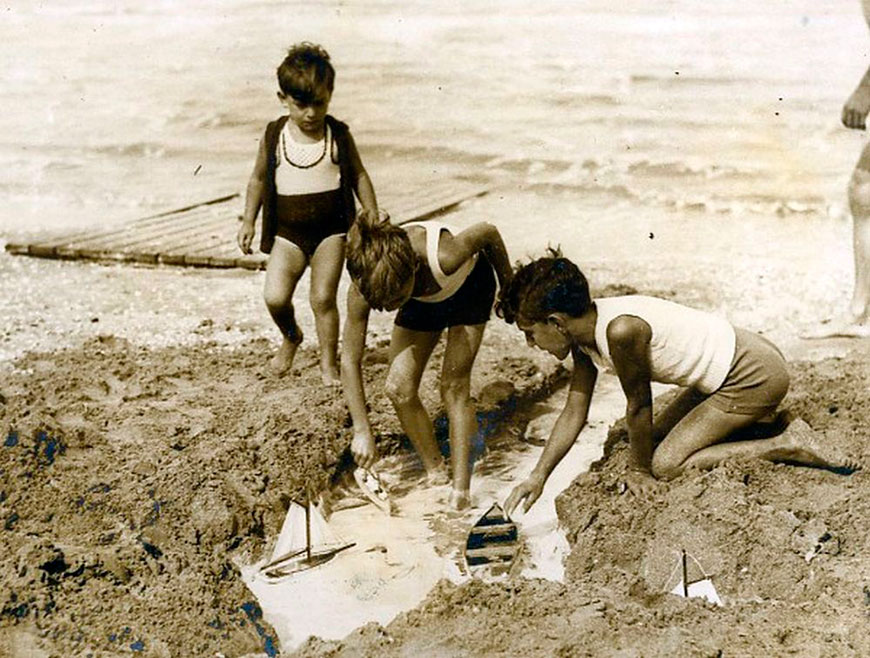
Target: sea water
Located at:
point(116, 109)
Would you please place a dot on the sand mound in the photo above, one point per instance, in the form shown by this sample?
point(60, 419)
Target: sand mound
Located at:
point(785, 546)
point(133, 479)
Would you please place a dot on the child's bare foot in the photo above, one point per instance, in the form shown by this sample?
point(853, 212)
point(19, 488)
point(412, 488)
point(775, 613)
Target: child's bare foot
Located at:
point(282, 362)
point(438, 476)
point(847, 326)
point(460, 499)
point(330, 375)
point(800, 443)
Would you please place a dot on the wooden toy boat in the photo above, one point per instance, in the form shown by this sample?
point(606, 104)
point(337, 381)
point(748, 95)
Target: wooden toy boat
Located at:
point(492, 541)
point(372, 488)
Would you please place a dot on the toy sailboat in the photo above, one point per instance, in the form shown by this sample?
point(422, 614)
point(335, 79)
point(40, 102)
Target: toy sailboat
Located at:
point(492, 541)
point(305, 541)
point(699, 588)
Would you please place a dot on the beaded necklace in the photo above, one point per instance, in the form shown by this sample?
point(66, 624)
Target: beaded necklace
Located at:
point(303, 166)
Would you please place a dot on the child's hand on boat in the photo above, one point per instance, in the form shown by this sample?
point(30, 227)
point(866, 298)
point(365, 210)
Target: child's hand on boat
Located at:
point(530, 490)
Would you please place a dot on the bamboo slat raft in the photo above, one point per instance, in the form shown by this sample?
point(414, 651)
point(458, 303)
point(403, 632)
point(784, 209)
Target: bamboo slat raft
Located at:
point(204, 234)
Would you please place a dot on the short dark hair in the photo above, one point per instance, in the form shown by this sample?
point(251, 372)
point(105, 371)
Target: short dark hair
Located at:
point(306, 74)
point(380, 258)
point(552, 284)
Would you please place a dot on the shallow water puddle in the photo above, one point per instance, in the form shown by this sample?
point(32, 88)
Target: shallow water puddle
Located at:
point(398, 559)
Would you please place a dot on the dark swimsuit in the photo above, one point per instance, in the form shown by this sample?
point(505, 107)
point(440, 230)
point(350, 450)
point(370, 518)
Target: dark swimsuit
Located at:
point(306, 220)
point(468, 306)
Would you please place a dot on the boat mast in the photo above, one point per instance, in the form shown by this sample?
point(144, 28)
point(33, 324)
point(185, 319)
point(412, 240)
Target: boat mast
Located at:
point(685, 576)
point(308, 528)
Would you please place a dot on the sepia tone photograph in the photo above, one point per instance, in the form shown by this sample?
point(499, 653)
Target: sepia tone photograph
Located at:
point(364, 328)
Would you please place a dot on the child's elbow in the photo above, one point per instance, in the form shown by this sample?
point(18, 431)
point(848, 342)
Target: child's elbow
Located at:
point(488, 233)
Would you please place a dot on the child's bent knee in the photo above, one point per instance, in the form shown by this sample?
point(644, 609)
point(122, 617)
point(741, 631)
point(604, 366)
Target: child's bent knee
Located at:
point(399, 390)
point(859, 189)
point(456, 390)
point(323, 303)
point(277, 301)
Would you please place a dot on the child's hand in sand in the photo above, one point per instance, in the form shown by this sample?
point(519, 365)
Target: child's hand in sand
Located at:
point(641, 483)
point(530, 490)
point(362, 447)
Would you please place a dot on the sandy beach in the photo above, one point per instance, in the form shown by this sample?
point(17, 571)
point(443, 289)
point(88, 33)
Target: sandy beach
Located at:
point(149, 455)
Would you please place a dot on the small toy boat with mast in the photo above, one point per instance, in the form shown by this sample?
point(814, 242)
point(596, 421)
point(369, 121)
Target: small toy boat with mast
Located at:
point(305, 541)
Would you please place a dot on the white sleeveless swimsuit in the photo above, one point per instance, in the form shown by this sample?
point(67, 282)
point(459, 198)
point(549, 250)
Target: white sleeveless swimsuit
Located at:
point(449, 283)
point(688, 347)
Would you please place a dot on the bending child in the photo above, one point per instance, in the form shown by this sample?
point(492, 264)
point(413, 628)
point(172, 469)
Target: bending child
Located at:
point(437, 278)
point(732, 377)
point(304, 179)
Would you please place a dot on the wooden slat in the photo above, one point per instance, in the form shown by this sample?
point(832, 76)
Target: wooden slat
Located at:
point(48, 246)
point(204, 234)
point(134, 237)
point(490, 554)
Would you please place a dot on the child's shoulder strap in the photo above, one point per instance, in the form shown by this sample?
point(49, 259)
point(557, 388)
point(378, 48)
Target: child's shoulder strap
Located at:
point(338, 128)
point(433, 239)
point(274, 127)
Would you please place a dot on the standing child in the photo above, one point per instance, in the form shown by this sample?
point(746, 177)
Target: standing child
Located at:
point(436, 278)
point(305, 177)
point(732, 377)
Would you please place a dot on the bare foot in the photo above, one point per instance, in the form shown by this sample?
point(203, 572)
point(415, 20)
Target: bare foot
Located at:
point(330, 375)
point(843, 327)
point(438, 476)
point(801, 444)
point(460, 499)
point(282, 362)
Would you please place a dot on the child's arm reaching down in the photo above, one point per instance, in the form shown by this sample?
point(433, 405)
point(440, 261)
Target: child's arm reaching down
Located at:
point(563, 435)
point(362, 184)
point(629, 340)
point(353, 346)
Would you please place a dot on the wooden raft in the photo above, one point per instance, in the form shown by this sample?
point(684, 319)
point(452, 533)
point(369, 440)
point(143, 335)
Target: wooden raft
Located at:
point(204, 234)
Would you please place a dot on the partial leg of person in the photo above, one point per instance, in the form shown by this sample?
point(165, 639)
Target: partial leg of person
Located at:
point(689, 398)
point(856, 324)
point(284, 268)
point(326, 266)
point(463, 342)
point(666, 419)
point(859, 203)
point(409, 353)
point(697, 442)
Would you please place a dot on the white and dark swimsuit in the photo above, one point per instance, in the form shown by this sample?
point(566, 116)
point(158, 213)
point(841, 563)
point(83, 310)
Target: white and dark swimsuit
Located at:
point(465, 297)
point(309, 199)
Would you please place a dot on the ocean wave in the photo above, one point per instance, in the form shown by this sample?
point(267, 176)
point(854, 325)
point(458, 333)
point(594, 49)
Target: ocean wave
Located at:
point(214, 120)
point(682, 78)
point(676, 169)
point(135, 149)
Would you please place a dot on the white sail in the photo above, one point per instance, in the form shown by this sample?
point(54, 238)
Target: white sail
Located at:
point(291, 539)
point(702, 589)
point(322, 535)
point(292, 550)
point(699, 585)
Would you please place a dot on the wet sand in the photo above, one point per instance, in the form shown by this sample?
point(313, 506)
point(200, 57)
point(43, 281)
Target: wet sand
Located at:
point(149, 453)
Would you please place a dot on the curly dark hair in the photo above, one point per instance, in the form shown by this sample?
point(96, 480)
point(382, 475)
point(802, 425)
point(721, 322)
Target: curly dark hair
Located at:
point(551, 284)
point(306, 74)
